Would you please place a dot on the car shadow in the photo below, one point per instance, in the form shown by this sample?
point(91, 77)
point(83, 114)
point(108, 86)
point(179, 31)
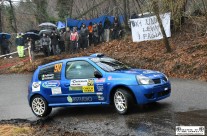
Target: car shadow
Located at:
point(107, 110)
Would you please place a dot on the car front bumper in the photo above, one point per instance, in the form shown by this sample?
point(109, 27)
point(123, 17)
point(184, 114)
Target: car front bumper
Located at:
point(151, 93)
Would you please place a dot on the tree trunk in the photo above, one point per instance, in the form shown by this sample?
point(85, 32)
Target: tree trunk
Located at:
point(1, 19)
point(71, 8)
point(13, 17)
point(95, 6)
point(116, 8)
point(165, 39)
point(205, 10)
point(125, 14)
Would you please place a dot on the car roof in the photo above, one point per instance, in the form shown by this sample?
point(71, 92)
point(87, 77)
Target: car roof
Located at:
point(72, 59)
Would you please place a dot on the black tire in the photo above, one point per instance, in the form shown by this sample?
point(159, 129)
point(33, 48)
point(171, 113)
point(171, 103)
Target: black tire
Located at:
point(123, 101)
point(40, 106)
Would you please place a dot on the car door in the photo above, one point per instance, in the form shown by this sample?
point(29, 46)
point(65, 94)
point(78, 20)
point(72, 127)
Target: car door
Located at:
point(81, 84)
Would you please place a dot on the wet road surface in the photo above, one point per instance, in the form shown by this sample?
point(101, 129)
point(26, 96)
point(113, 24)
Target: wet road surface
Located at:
point(186, 106)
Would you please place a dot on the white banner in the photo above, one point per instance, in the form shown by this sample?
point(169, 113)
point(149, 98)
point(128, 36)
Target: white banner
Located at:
point(148, 28)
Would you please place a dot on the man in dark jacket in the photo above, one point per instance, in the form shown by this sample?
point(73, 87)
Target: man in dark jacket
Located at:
point(67, 39)
point(84, 36)
point(107, 26)
point(100, 32)
point(5, 45)
point(115, 28)
point(54, 42)
point(61, 42)
point(45, 42)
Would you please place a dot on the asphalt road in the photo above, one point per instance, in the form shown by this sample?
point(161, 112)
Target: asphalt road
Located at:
point(186, 106)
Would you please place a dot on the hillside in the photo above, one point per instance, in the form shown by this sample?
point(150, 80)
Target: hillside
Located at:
point(188, 59)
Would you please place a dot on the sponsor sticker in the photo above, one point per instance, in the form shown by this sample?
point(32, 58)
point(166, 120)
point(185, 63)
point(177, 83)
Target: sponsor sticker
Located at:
point(100, 87)
point(85, 85)
point(88, 89)
point(90, 82)
point(79, 99)
point(56, 90)
point(47, 76)
point(79, 82)
point(36, 86)
point(100, 98)
point(100, 80)
point(75, 88)
point(190, 130)
point(51, 84)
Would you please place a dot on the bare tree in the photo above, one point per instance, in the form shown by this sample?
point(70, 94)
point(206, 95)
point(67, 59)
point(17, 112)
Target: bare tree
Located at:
point(157, 13)
point(12, 17)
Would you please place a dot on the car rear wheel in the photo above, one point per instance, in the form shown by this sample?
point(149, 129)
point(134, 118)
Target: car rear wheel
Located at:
point(122, 100)
point(40, 106)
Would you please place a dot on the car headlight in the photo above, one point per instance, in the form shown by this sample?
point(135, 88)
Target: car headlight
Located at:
point(165, 77)
point(143, 80)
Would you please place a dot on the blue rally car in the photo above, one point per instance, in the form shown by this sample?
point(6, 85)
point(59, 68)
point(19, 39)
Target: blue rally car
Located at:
point(94, 80)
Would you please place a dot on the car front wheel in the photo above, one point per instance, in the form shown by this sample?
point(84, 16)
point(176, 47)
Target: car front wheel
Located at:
point(122, 100)
point(40, 106)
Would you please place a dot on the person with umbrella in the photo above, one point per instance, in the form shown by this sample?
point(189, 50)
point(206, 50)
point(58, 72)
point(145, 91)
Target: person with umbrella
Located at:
point(4, 42)
point(54, 42)
point(20, 44)
point(45, 42)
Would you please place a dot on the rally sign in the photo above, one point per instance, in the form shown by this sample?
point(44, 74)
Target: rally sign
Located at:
point(148, 28)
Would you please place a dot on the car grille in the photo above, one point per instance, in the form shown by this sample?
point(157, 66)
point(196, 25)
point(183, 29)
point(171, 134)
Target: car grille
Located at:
point(156, 81)
point(163, 93)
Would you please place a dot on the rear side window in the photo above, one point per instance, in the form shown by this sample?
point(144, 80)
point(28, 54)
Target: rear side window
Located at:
point(79, 70)
point(52, 72)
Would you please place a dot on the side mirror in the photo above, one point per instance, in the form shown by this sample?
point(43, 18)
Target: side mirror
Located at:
point(97, 74)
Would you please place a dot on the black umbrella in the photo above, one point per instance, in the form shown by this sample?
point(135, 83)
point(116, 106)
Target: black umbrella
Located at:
point(46, 31)
point(34, 31)
point(31, 35)
point(8, 36)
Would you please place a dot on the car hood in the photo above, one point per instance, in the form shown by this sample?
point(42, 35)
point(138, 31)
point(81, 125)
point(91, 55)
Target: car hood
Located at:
point(144, 72)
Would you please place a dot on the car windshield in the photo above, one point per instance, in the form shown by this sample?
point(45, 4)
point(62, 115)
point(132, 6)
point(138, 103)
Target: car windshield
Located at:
point(109, 64)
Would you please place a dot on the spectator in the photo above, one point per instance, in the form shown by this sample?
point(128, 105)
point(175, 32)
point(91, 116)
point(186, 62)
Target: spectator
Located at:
point(31, 44)
point(54, 42)
point(45, 42)
point(95, 34)
point(84, 37)
point(20, 45)
point(115, 28)
point(100, 33)
point(5, 46)
point(107, 26)
point(74, 41)
point(90, 29)
point(67, 39)
point(61, 42)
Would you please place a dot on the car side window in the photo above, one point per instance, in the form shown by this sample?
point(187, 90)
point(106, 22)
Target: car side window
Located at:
point(52, 72)
point(79, 70)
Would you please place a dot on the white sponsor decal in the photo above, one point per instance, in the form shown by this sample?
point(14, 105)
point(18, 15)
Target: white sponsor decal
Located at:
point(56, 90)
point(190, 130)
point(79, 82)
point(36, 86)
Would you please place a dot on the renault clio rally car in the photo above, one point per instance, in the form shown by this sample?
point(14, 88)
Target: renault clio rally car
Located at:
point(94, 80)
